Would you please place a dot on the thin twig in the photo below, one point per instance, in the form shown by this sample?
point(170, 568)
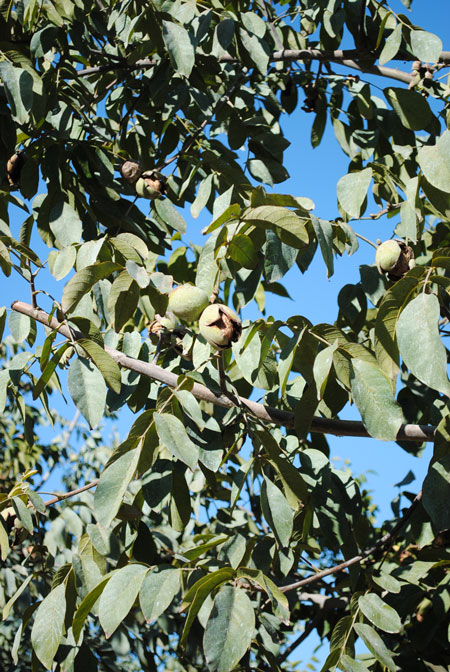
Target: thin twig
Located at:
point(71, 493)
point(387, 538)
point(277, 416)
point(301, 638)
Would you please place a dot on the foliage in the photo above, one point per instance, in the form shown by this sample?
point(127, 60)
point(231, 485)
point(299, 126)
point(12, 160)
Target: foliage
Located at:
point(188, 544)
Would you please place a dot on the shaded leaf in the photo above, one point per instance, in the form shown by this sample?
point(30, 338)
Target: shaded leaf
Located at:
point(352, 191)
point(173, 435)
point(372, 394)
point(229, 629)
point(83, 281)
point(420, 344)
point(375, 644)
point(180, 48)
point(113, 484)
point(87, 389)
point(48, 625)
point(160, 586)
point(436, 493)
point(119, 595)
point(380, 613)
point(435, 162)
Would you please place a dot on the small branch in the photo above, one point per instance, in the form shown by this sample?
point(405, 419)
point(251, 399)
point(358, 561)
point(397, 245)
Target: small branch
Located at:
point(366, 240)
point(388, 538)
point(72, 493)
point(319, 425)
point(301, 638)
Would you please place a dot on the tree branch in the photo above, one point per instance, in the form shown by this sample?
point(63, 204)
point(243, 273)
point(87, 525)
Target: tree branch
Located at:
point(385, 539)
point(319, 425)
point(346, 57)
point(71, 493)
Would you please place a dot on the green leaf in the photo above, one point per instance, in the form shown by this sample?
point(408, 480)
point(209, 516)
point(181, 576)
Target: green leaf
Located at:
point(19, 326)
point(119, 595)
point(61, 262)
point(198, 593)
point(49, 370)
point(372, 394)
point(388, 582)
point(48, 625)
point(4, 546)
point(351, 665)
point(352, 191)
point(5, 260)
point(65, 224)
point(375, 644)
point(180, 48)
point(411, 107)
point(289, 227)
point(83, 281)
point(322, 367)
point(277, 512)
point(229, 630)
point(391, 46)
point(436, 493)
point(7, 608)
point(203, 194)
point(324, 233)
point(87, 389)
point(160, 586)
point(425, 46)
point(419, 342)
point(18, 85)
point(379, 613)
point(173, 435)
point(104, 362)
point(435, 162)
point(86, 606)
point(257, 49)
point(113, 484)
point(242, 250)
point(279, 600)
point(170, 215)
point(123, 299)
point(4, 382)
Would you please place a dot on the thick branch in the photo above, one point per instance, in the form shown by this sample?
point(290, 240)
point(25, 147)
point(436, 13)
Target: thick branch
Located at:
point(345, 56)
point(319, 425)
point(388, 538)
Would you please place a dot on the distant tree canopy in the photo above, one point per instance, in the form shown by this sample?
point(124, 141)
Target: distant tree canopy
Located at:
point(217, 535)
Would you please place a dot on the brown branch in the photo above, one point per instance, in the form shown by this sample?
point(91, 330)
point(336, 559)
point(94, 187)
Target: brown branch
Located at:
point(345, 56)
point(301, 638)
point(71, 493)
point(388, 538)
point(319, 425)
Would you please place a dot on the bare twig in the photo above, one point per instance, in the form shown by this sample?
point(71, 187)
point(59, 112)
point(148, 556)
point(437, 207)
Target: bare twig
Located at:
point(387, 538)
point(71, 493)
point(319, 425)
point(301, 638)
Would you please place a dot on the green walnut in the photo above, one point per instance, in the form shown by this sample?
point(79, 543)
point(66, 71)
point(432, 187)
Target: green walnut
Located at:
point(187, 302)
point(395, 258)
point(220, 326)
point(150, 187)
